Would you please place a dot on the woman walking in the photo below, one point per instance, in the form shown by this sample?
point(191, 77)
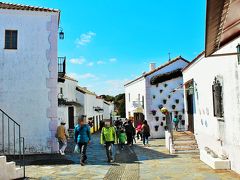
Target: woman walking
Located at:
point(145, 132)
point(82, 137)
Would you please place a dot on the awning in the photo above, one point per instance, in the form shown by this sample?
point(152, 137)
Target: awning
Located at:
point(138, 110)
point(222, 24)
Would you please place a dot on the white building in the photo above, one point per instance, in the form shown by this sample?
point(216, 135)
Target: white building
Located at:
point(212, 90)
point(108, 110)
point(28, 72)
point(70, 102)
point(153, 90)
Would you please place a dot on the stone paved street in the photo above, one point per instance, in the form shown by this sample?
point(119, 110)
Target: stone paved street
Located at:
point(132, 163)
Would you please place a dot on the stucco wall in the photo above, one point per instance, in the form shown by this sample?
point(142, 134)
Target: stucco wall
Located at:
point(153, 103)
point(222, 137)
point(28, 76)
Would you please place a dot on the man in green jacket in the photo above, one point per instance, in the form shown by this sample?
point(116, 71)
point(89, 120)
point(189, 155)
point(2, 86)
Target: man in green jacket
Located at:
point(108, 137)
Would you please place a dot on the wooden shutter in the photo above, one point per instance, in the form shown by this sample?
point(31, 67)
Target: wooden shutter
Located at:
point(217, 99)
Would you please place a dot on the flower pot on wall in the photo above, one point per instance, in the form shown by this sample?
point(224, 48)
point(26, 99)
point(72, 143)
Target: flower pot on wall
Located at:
point(173, 106)
point(165, 128)
point(160, 106)
point(183, 122)
point(156, 127)
point(157, 118)
point(154, 96)
point(177, 101)
point(161, 91)
point(161, 124)
point(164, 101)
point(183, 111)
point(165, 85)
point(153, 112)
point(169, 96)
point(180, 117)
point(164, 118)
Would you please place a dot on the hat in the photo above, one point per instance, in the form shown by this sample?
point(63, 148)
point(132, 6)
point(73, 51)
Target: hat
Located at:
point(63, 122)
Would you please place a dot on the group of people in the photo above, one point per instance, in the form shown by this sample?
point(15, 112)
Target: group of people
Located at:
point(119, 133)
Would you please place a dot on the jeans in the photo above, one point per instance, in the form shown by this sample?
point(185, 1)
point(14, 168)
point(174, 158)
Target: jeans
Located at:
point(145, 139)
point(129, 139)
point(83, 151)
point(62, 145)
point(109, 151)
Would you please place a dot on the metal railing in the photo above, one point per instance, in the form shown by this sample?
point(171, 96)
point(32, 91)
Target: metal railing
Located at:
point(12, 144)
point(62, 65)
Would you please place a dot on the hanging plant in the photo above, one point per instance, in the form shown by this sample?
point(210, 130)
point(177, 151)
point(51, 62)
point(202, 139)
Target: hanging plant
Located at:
point(154, 112)
point(156, 127)
point(164, 101)
point(169, 96)
point(183, 111)
point(161, 90)
point(177, 101)
point(173, 106)
point(161, 123)
point(157, 118)
point(183, 122)
point(163, 118)
point(165, 128)
point(154, 96)
point(160, 106)
point(180, 117)
point(165, 85)
point(176, 112)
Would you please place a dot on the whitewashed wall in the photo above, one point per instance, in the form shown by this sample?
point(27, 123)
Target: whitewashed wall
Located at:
point(28, 76)
point(207, 126)
point(153, 104)
point(134, 89)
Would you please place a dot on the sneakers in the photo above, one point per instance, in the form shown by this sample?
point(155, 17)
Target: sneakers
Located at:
point(61, 152)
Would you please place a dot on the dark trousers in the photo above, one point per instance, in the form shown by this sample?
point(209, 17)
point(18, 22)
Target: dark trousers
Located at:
point(145, 139)
point(129, 139)
point(139, 135)
point(83, 151)
point(109, 150)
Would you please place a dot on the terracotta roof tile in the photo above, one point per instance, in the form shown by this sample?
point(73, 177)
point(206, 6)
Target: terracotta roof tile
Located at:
point(5, 5)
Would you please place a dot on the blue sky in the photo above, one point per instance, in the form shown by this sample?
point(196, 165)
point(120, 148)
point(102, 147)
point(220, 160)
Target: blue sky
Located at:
point(109, 42)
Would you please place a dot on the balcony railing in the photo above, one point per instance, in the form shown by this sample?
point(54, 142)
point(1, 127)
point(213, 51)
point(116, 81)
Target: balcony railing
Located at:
point(61, 66)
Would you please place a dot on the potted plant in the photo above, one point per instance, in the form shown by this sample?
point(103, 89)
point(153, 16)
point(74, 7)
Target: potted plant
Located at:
point(183, 122)
point(163, 118)
point(161, 90)
point(165, 85)
point(154, 96)
point(177, 101)
point(180, 117)
point(173, 106)
point(169, 96)
point(153, 112)
point(156, 127)
point(160, 106)
point(165, 128)
point(156, 118)
point(164, 101)
point(161, 123)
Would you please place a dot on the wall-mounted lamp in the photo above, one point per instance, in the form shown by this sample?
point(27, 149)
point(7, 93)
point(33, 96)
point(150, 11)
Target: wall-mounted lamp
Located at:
point(61, 33)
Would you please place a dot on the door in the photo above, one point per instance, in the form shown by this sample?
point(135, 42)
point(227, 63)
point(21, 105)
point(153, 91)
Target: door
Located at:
point(138, 117)
point(70, 118)
point(190, 112)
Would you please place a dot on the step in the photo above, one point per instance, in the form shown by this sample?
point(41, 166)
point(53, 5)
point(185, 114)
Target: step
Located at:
point(185, 147)
point(19, 173)
point(3, 160)
point(195, 151)
point(11, 168)
point(193, 142)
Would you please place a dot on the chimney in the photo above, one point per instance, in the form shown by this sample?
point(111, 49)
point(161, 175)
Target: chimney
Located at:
point(152, 66)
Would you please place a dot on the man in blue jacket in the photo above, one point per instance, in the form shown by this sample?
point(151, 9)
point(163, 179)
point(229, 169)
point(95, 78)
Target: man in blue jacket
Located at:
point(82, 137)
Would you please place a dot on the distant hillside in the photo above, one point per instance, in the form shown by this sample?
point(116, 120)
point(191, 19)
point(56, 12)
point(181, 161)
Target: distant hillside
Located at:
point(119, 102)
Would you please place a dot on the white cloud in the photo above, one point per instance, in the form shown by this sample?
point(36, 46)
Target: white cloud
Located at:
point(90, 64)
point(113, 60)
point(80, 60)
point(85, 38)
point(100, 62)
point(115, 86)
point(83, 76)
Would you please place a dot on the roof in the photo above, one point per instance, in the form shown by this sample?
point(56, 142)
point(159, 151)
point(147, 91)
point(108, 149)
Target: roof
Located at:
point(69, 78)
point(194, 60)
point(158, 68)
point(5, 5)
point(84, 90)
point(222, 24)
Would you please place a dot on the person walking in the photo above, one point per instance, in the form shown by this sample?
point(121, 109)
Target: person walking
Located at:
point(82, 138)
point(62, 136)
point(176, 121)
point(122, 138)
point(139, 131)
point(130, 132)
point(108, 137)
point(145, 132)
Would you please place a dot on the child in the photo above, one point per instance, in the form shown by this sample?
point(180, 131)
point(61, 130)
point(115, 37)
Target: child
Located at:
point(176, 121)
point(122, 138)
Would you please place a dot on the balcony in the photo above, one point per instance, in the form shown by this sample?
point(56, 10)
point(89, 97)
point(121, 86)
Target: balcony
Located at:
point(61, 68)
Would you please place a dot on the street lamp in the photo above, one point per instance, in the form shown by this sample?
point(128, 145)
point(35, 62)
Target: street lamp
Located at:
point(61, 33)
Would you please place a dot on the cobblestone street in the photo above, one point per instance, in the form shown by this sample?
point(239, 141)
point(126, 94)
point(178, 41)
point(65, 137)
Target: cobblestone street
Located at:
point(132, 163)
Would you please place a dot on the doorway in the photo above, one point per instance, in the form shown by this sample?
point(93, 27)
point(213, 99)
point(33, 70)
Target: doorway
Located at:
point(70, 118)
point(138, 117)
point(190, 105)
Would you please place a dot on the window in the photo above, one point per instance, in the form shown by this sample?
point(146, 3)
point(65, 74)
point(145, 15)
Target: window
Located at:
point(11, 39)
point(129, 98)
point(61, 90)
point(217, 98)
point(143, 102)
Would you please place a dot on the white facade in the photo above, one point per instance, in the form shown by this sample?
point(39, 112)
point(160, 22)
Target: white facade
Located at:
point(222, 135)
point(108, 110)
point(73, 102)
point(28, 76)
point(142, 97)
